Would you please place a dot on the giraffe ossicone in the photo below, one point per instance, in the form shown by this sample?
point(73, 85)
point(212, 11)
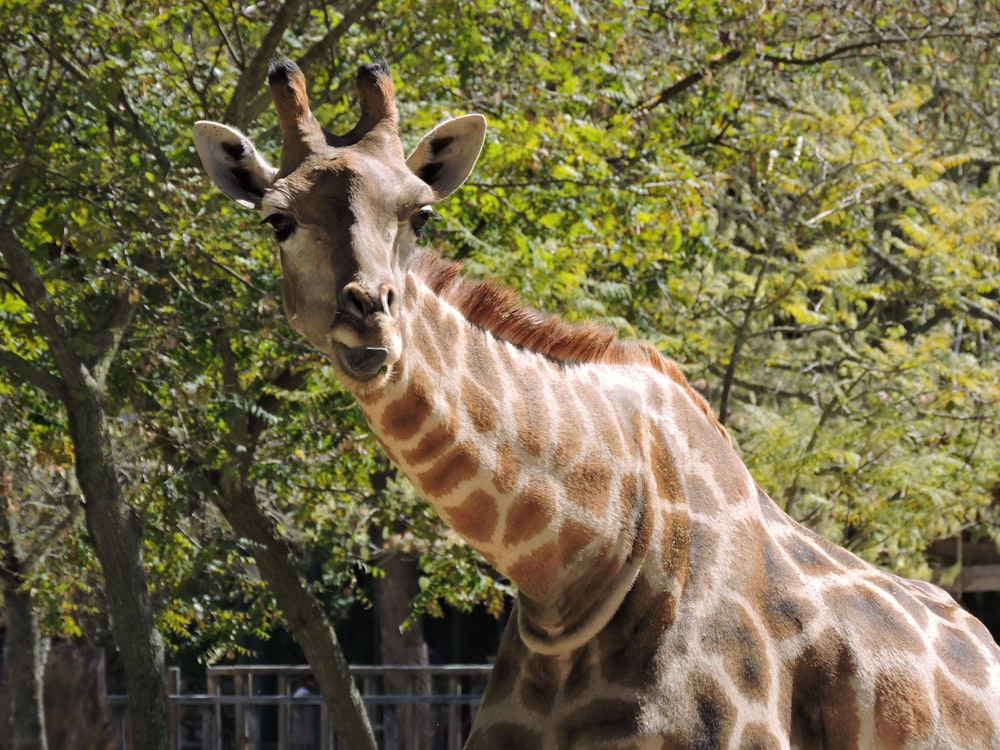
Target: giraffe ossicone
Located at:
point(664, 601)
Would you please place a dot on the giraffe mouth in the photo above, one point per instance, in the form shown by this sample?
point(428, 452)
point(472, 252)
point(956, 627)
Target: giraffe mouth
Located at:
point(363, 353)
point(362, 363)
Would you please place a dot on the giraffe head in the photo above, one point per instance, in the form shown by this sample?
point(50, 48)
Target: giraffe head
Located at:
point(347, 211)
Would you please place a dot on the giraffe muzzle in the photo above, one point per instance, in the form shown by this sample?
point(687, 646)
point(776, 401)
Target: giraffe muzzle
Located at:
point(365, 336)
point(363, 362)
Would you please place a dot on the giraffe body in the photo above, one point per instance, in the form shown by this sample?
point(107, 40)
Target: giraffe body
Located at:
point(664, 600)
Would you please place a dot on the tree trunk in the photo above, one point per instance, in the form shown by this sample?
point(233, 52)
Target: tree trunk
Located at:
point(113, 526)
point(115, 531)
point(393, 594)
point(76, 700)
point(24, 668)
point(303, 615)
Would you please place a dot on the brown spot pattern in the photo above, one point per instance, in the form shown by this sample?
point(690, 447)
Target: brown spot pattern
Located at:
point(903, 712)
point(481, 360)
point(458, 465)
point(569, 445)
point(446, 334)
point(786, 615)
point(597, 722)
point(824, 702)
point(965, 720)
point(505, 735)
point(946, 610)
point(539, 685)
point(879, 624)
point(715, 713)
point(630, 499)
point(431, 445)
point(589, 484)
point(845, 559)
point(703, 551)
point(508, 470)
point(403, 418)
point(676, 543)
point(668, 484)
point(898, 590)
point(743, 650)
point(476, 518)
point(630, 642)
point(807, 556)
point(758, 737)
point(537, 571)
point(604, 421)
point(531, 513)
point(578, 678)
point(531, 431)
point(534, 572)
point(961, 656)
point(480, 406)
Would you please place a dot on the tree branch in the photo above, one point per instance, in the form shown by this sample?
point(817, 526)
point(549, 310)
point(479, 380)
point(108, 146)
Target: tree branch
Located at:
point(742, 335)
point(334, 35)
point(846, 49)
point(763, 389)
point(132, 125)
point(842, 51)
point(688, 81)
point(30, 373)
point(74, 374)
point(252, 79)
point(109, 333)
point(313, 55)
point(905, 274)
point(300, 609)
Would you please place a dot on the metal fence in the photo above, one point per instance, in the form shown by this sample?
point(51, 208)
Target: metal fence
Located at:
point(275, 708)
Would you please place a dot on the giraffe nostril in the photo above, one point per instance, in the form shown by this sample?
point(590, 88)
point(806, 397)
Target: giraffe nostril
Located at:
point(389, 301)
point(355, 302)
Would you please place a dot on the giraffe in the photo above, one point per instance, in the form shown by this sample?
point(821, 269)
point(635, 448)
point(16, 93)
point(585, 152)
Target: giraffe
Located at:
point(664, 601)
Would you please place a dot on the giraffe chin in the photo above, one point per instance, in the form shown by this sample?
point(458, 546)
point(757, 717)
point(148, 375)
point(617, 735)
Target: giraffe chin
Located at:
point(362, 364)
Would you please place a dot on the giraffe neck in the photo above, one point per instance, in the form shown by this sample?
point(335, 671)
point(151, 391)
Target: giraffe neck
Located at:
point(539, 465)
point(473, 423)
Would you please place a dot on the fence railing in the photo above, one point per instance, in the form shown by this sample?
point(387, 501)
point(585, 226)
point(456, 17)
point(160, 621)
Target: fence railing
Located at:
point(276, 708)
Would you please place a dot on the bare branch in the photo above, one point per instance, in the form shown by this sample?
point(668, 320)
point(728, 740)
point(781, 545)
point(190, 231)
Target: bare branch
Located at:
point(690, 80)
point(876, 42)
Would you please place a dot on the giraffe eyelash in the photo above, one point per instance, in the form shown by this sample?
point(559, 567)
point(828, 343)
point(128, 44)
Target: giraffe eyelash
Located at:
point(420, 219)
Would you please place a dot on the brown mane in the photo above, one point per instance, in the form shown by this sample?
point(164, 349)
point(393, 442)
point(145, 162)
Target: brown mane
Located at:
point(500, 311)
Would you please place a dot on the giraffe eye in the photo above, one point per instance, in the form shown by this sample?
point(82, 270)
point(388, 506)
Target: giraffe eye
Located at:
point(282, 224)
point(420, 219)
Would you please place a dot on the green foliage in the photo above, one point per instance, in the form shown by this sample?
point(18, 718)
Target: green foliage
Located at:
point(799, 204)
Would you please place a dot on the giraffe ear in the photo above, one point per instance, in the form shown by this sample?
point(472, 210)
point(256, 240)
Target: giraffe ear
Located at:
point(233, 163)
point(445, 156)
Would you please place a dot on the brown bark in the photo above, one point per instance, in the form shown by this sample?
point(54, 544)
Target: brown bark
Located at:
point(393, 595)
point(111, 522)
point(303, 615)
point(23, 710)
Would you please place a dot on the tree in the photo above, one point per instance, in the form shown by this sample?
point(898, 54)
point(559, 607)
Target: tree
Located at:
point(23, 712)
point(797, 203)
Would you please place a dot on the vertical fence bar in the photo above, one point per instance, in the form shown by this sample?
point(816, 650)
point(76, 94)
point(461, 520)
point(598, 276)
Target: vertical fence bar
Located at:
point(174, 688)
point(213, 690)
point(450, 706)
